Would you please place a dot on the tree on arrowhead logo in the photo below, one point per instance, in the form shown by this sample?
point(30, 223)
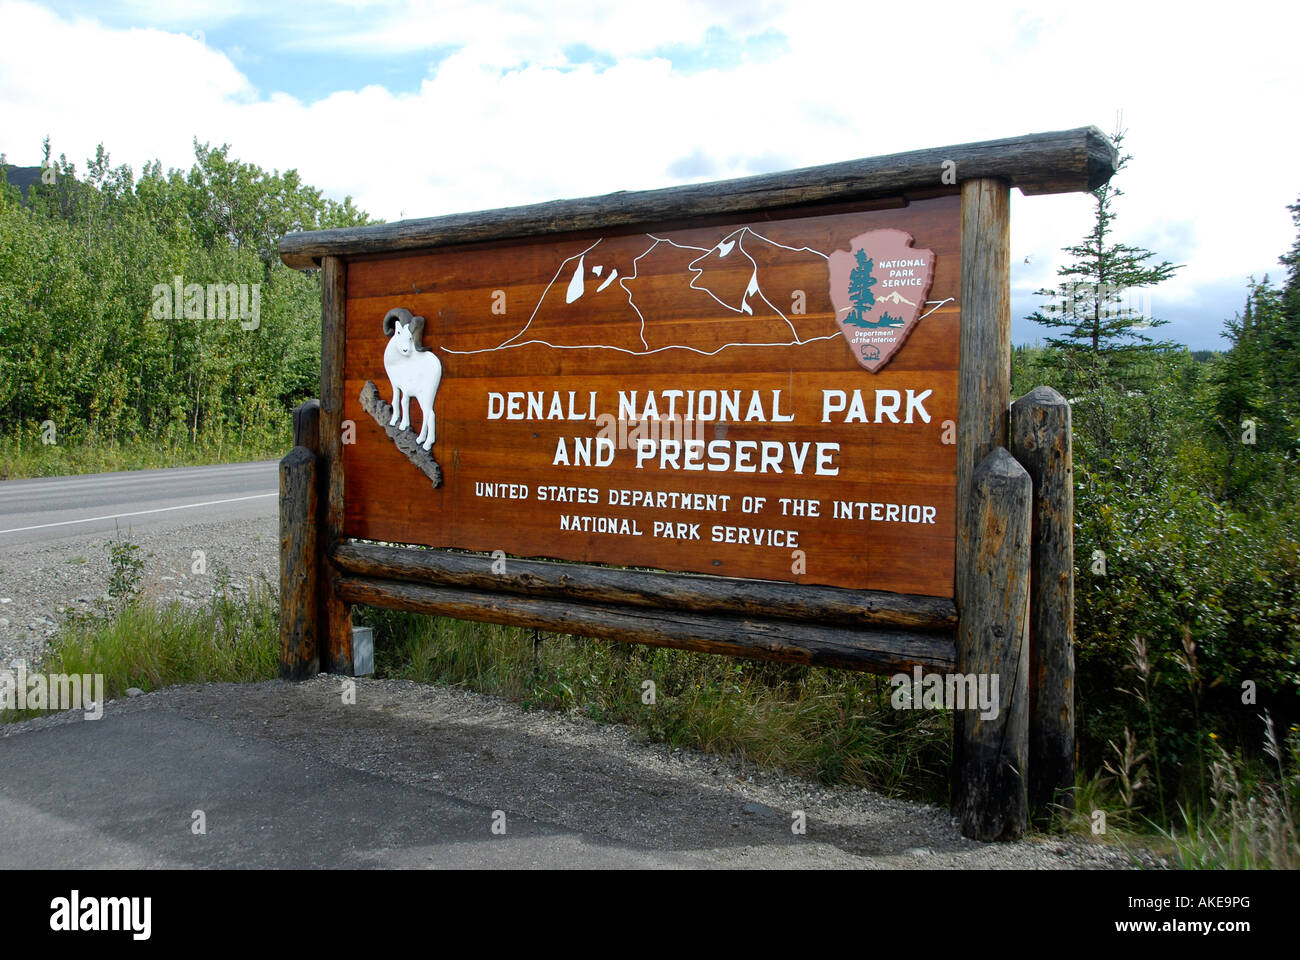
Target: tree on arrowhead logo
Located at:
point(878, 287)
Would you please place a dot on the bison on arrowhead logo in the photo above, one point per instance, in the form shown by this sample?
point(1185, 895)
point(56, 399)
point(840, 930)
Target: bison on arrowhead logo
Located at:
point(878, 287)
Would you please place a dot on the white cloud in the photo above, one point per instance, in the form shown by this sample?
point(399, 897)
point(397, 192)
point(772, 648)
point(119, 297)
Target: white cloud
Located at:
point(505, 119)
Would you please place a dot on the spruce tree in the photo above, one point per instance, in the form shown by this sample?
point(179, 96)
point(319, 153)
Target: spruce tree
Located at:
point(1256, 384)
point(1093, 306)
point(1285, 340)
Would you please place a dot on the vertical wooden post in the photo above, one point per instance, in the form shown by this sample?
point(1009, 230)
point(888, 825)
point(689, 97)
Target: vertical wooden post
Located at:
point(299, 601)
point(984, 381)
point(299, 548)
point(306, 425)
point(336, 616)
point(993, 641)
point(1040, 440)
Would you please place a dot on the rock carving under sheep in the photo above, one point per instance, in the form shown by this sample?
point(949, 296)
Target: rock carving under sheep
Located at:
point(415, 372)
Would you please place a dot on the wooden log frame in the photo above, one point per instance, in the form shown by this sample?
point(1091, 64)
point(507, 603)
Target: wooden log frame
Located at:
point(985, 638)
point(1063, 161)
point(582, 583)
point(881, 651)
point(1040, 428)
point(826, 626)
point(815, 625)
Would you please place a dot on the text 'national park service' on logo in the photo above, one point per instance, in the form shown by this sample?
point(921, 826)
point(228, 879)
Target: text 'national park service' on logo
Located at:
point(878, 290)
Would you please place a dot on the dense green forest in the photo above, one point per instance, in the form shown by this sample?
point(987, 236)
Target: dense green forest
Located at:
point(1187, 538)
point(85, 345)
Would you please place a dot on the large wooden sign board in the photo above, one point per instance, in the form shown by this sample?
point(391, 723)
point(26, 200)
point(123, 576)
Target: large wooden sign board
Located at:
point(683, 399)
point(764, 418)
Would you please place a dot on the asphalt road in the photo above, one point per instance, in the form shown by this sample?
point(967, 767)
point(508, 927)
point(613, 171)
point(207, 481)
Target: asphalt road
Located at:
point(49, 508)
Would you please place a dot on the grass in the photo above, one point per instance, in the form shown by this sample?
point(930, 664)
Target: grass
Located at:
point(1243, 818)
point(22, 459)
point(137, 643)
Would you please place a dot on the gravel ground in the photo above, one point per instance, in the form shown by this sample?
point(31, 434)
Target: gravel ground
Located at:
point(39, 581)
point(563, 769)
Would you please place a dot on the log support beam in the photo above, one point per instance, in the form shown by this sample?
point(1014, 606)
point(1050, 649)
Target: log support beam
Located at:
point(1041, 442)
point(299, 562)
point(336, 615)
point(989, 755)
point(301, 551)
point(993, 647)
point(880, 651)
point(583, 583)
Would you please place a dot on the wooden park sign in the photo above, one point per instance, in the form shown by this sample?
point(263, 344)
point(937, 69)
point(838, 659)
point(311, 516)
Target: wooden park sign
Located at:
point(763, 417)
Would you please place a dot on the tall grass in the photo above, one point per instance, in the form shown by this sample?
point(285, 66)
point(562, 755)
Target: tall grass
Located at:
point(134, 642)
point(1245, 818)
point(1251, 820)
point(150, 645)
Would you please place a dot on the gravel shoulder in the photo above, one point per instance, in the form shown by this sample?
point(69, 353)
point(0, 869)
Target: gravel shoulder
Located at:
point(40, 581)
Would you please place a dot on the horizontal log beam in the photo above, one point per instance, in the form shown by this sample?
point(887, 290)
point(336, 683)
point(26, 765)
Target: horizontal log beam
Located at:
point(879, 651)
point(1063, 161)
point(858, 609)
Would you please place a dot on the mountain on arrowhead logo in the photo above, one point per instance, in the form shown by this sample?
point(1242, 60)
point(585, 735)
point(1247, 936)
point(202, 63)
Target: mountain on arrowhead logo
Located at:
point(878, 287)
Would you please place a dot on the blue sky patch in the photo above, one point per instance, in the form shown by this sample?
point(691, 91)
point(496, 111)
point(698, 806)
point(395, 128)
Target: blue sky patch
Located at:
point(721, 51)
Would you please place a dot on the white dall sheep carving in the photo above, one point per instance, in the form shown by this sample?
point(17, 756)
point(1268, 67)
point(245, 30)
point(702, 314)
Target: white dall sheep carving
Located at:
point(412, 372)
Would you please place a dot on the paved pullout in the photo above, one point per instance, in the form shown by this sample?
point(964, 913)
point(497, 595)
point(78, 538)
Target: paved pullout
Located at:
point(413, 776)
point(128, 792)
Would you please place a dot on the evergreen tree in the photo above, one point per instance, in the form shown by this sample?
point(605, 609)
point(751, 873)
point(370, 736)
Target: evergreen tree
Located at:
point(1285, 341)
point(1093, 304)
point(1264, 361)
point(1236, 383)
point(860, 283)
point(1255, 386)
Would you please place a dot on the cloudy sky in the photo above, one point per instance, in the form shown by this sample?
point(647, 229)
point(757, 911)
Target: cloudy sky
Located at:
point(423, 108)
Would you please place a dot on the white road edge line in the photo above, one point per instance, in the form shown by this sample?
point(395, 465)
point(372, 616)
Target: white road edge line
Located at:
point(138, 513)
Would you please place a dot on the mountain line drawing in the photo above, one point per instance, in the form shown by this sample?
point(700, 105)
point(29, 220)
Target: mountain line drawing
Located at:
point(577, 303)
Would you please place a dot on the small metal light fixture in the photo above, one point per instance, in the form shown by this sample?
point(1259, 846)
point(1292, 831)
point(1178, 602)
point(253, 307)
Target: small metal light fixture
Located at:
point(363, 651)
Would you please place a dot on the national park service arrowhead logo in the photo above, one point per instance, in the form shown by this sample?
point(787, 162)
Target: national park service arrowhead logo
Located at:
point(878, 289)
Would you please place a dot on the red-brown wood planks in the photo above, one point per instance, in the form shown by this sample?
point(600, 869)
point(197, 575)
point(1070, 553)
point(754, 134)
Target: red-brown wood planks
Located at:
point(703, 309)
